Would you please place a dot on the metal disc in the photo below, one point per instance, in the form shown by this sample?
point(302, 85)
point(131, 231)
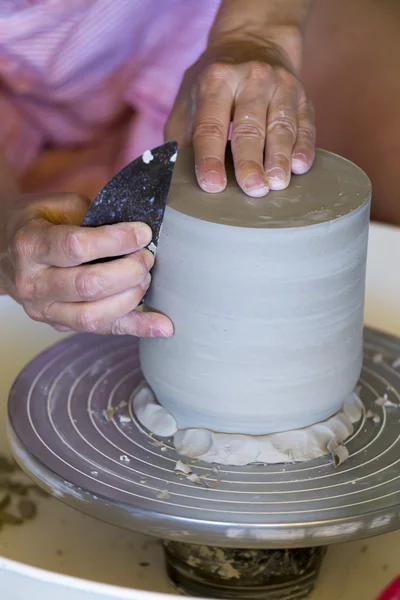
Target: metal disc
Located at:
point(72, 429)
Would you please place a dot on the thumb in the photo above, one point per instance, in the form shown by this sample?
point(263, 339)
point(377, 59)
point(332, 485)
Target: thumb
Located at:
point(61, 209)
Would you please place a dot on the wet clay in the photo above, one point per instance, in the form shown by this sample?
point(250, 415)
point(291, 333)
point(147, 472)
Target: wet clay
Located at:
point(267, 299)
point(234, 449)
point(333, 188)
point(213, 572)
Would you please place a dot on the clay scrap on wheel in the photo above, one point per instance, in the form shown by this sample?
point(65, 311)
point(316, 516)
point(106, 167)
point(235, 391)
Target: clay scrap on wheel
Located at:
point(267, 300)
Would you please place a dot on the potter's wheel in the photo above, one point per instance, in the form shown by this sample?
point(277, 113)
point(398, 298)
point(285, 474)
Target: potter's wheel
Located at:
point(114, 470)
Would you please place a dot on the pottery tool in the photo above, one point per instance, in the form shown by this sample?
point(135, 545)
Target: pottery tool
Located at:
point(138, 192)
point(237, 532)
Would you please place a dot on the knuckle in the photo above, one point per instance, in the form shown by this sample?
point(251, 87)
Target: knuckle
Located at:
point(306, 134)
point(88, 285)
point(285, 126)
point(209, 128)
point(73, 247)
point(85, 321)
point(217, 71)
point(27, 245)
point(125, 240)
point(21, 244)
point(248, 129)
point(258, 71)
point(41, 247)
point(117, 328)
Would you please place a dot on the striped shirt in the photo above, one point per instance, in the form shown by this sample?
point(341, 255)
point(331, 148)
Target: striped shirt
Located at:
point(91, 81)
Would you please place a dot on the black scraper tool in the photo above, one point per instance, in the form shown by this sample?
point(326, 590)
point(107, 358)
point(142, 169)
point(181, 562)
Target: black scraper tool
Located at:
point(138, 192)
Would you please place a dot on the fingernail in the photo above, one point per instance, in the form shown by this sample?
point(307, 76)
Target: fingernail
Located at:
point(148, 258)
point(212, 181)
point(255, 185)
point(299, 164)
point(143, 234)
point(277, 178)
point(146, 282)
point(159, 332)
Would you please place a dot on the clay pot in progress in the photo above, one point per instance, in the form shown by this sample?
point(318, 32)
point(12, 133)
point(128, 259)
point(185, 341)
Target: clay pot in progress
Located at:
point(267, 300)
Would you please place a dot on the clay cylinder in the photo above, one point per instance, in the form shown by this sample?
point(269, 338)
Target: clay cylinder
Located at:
point(267, 300)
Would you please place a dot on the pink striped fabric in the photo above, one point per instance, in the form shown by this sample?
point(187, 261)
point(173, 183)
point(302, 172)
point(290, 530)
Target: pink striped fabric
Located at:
point(71, 70)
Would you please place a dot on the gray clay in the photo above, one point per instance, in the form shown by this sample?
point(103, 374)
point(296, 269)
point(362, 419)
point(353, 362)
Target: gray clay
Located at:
point(267, 299)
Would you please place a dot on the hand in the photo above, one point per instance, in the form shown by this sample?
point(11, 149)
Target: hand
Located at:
point(253, 84)
point(43, 252)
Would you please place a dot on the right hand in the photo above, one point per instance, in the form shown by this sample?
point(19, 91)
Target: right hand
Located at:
point(250, 83)
point(43, 251)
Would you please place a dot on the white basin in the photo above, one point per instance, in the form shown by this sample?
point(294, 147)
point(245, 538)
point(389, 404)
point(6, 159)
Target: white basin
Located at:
point(65, 555)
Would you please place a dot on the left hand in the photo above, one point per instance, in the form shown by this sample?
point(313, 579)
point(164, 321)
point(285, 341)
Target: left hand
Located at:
point(249, 83)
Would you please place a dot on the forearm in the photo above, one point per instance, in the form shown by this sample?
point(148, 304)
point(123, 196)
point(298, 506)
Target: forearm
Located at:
point(8, 189)
point(277, 22)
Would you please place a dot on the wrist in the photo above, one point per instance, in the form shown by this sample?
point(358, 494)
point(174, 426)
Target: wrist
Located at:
point(278, 45)
point(289, 39)
point(273, 24)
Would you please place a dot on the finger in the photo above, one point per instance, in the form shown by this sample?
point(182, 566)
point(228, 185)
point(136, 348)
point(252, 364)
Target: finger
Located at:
point(93, 282)
point(67, 209)
point(248, 136)
point(69, 246)
point(211, 126)
point(304, 148)
point(179, 124)
point(141, 324)
point(62, 329)
point(281, 136)
point(90, 316)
